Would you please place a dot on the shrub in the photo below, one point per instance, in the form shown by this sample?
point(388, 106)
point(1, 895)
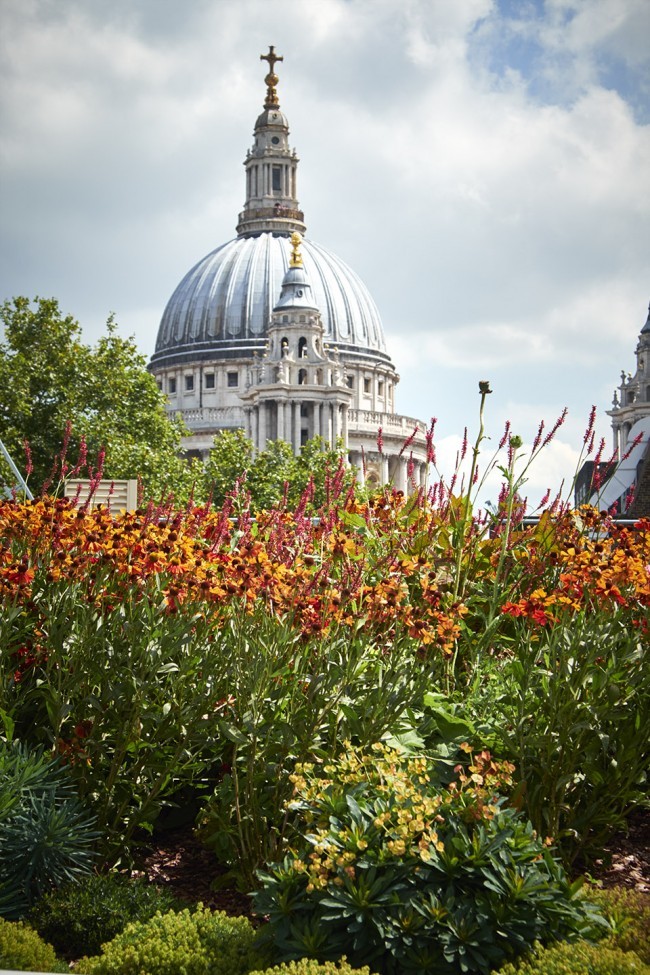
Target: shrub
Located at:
point(307, 966)
point(578, 959)
point(407, 876)
point(570, 707)
point(628, 913)
point(22, 949)
point(299, 698)
point(47, 834)
point(198, 943)
point(79, 917)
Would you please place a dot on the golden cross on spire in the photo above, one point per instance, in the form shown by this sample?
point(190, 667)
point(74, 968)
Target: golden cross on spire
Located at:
point(271, 80)
point(296, 256)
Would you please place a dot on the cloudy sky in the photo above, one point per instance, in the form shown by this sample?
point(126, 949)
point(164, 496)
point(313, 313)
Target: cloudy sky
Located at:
point(484, 166)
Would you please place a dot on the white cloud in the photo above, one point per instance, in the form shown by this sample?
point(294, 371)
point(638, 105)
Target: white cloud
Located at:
point(553, 470)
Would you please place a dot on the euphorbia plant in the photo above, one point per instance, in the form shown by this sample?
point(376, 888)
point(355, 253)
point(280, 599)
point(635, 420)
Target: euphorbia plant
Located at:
point(407, 875)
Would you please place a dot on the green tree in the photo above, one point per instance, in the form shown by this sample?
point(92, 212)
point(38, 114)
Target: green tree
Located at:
point(267, 473)
point(271, 470)
point(322, 465)
point(230, 458)
point(50, 378)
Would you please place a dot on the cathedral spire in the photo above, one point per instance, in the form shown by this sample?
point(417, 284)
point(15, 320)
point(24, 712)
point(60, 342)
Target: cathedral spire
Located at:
point(271, 203)
point(646, 327)
point(271, 79)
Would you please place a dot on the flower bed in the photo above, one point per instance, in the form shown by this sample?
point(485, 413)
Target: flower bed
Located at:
point(200, 656)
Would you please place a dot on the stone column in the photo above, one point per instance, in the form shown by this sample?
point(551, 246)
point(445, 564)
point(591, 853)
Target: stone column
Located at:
point(402, 480)
point(318, 419)
point(280, 408)
point(335, 421)
point(344, 433)
point(327, 424)
point(262, 427)
point(296, 428)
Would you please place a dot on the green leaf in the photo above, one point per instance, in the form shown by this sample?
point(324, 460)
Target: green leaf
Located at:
point(8, 724)
point(232, 733)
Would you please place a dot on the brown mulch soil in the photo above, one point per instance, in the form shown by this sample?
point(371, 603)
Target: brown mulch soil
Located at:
point(182, 866)
point(179, 863)
point(626, 859)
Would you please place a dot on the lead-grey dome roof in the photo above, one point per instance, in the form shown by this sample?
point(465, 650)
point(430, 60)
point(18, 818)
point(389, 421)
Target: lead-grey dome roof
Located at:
point(222, 307)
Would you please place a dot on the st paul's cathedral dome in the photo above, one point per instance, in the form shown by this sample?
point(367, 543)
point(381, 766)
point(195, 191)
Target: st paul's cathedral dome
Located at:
point(273, 333)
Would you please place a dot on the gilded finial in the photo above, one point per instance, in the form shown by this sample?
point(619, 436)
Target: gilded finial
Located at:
point(296, 256)
point(271, 80)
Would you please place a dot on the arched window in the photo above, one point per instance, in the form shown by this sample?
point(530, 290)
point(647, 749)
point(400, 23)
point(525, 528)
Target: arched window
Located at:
point(302, 377)
point(302, 347)
point(284, 345)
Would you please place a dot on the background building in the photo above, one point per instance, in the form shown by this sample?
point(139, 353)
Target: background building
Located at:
point(280, 337)
point(627, 480)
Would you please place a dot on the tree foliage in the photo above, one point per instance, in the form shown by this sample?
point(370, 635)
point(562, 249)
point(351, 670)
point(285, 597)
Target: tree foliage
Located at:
point(50, 378)
point(275, 474)
point(52, 381)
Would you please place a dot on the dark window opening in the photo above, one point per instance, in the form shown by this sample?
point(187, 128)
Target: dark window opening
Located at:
point(302, 348)
point(304, 412)
point(171, 388)
point(233, 379)
point(209, 380)
point(380, 389)
point(349, 382)
point(189, 383)
point(302, 377)
point(277, 179)
point(366, 385)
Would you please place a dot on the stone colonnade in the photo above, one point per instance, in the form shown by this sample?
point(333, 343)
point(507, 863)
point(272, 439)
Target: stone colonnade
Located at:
point(403, 473)
point(296, 421)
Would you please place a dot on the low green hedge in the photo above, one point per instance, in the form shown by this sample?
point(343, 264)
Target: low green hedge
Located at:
point(308, 966)
point(79, 918)
point(22, 949)
point(628, 914)
point(578, 958)
point(196, 942)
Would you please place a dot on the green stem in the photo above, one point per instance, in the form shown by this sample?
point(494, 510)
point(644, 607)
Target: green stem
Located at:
point(484, 390)
point(505, 538)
